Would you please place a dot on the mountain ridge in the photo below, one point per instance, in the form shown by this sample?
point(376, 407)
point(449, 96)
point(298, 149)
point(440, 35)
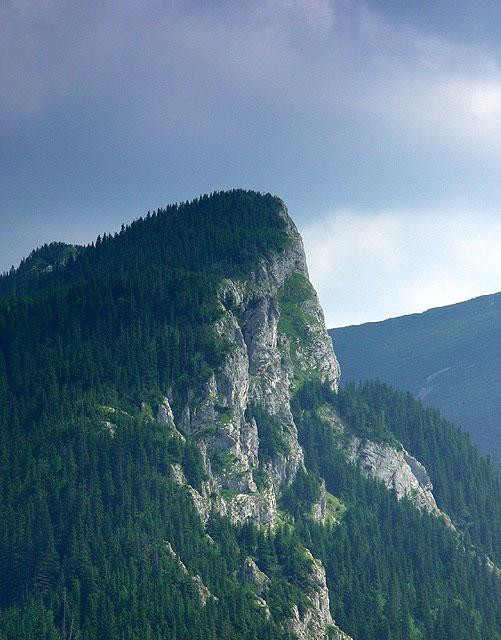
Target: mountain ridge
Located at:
point(171, 424)
point(445, 307)
point(446, 356)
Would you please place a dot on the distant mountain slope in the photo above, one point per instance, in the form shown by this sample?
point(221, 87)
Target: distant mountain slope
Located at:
point(449, 357)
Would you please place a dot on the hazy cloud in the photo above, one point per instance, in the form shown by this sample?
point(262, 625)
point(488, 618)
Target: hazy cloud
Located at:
point(372, 265)
point(328, 55)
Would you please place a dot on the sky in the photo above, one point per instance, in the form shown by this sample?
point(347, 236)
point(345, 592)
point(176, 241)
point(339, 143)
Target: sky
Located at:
point(379, 123)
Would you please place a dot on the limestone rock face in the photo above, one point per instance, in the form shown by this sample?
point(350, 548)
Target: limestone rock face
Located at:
point(316, 344)
point(274, 331)
point(316, 622)
point(165, 415)
point(259, 369)
point(396, 468)
point(319, 508)
point(261, 602)
point(252, 574)
point(204, 593)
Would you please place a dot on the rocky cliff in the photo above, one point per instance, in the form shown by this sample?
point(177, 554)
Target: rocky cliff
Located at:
point(242, 422)
point(317, 621)
point(393, 466)
point(275, 328)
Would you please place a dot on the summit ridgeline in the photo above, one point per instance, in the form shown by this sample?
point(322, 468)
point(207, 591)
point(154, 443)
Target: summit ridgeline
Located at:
point(178, 461)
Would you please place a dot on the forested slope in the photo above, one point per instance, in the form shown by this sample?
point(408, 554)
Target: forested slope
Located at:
point(168, 417)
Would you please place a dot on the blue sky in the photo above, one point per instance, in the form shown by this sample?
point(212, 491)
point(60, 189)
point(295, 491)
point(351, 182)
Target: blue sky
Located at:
point(378, 122)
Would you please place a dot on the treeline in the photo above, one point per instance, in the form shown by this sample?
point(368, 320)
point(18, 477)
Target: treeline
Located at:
point(132, 314)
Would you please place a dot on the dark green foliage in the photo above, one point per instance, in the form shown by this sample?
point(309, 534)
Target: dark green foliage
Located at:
point(293, 320)
point(465, 484)
point(284, 561)
point(221, 459)
point(365, 420)
point(95, 530)
point(33, 269)
point(270, 432)
point(392, 571)
point(301, 494)
point(88, 502)
point(132, 313)
point(192, 465)
point(36, 621)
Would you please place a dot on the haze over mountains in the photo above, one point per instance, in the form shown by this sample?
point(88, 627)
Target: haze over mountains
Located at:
point(448, 357)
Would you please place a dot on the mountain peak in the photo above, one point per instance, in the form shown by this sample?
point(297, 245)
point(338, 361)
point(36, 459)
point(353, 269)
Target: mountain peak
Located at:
point(170, 421)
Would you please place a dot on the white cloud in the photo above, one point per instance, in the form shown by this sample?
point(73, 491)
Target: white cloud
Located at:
point(484, 100)
point(371, 265)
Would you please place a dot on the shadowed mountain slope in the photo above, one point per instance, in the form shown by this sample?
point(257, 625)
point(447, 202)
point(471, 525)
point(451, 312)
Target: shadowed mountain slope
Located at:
point(449, 357)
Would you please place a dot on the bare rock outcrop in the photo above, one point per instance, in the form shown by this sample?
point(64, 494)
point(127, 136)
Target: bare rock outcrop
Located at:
point(252, 574)
point(259, 369)
point(316, 622)
point(274, 330)
point(394, 467)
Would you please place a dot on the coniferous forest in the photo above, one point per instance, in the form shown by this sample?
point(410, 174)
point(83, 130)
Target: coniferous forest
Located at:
point(90, 513)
